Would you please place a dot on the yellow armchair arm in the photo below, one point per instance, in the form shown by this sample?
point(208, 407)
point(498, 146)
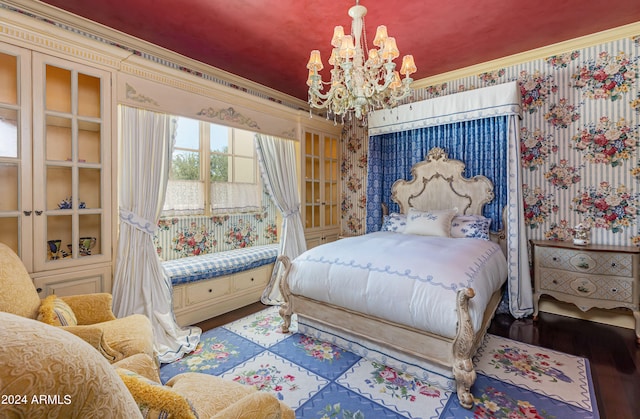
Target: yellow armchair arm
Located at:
point(91, 308)
point(94, 336)
point(256, 405)
point(141, 364)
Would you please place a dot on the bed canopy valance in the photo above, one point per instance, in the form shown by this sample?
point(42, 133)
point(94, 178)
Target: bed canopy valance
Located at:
point(479, 127)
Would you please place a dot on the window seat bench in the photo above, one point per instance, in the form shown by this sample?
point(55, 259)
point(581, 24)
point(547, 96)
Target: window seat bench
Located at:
point(208, 285)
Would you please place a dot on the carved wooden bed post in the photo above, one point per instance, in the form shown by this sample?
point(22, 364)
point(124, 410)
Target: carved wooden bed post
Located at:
point(286, 309)
point(462, 350)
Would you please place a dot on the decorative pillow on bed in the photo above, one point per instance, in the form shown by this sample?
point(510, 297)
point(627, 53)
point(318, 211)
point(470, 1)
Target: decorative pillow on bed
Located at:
point(394, 222)
point(430, 223)
point(470, 226)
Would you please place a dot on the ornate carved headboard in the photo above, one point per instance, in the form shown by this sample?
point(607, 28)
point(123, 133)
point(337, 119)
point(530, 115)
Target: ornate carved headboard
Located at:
point(437, 183)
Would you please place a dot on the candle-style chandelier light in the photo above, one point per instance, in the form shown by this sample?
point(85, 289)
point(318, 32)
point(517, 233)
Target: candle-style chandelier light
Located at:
point(360, 81)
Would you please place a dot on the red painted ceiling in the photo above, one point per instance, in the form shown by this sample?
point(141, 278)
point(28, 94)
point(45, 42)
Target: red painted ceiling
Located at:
point(269, 42)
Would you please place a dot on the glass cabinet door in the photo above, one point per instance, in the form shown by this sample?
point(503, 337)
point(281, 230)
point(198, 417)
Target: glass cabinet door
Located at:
point(331, 178)
point(321, 181)
point(15, 151)
point(312, 179)
point(69, 162)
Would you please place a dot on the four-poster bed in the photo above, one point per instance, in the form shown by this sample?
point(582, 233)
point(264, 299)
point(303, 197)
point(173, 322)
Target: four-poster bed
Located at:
point(409, 322)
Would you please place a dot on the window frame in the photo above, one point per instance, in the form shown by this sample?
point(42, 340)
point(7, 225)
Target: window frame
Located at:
point(205, 153)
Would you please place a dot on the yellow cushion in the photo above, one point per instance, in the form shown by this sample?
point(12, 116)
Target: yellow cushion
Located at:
point(155, 400)
point(56, 312)
point(18, 295)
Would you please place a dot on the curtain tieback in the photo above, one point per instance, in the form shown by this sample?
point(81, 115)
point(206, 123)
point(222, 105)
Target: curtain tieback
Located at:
point(138, 222)
point(287, 214)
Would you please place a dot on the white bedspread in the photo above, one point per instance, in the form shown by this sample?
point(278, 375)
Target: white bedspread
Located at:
point(408, 279)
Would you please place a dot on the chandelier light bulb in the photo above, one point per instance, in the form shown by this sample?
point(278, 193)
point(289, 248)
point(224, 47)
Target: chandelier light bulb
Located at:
point(381, 35)
point(408, 65)
point(338, 34)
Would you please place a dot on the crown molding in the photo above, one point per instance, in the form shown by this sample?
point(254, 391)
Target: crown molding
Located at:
point(626, 31)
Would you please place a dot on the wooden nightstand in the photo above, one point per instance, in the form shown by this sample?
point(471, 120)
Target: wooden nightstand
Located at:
point(587, 276)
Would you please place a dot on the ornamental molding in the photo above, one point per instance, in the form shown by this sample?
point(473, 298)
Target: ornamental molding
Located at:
point(229, 114)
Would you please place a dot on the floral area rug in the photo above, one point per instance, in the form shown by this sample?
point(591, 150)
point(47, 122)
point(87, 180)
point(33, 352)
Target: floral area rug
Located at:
point(322, 381)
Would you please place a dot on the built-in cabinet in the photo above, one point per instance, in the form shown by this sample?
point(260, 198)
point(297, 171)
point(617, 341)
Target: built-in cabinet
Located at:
point(320, 186)
point(55, 165)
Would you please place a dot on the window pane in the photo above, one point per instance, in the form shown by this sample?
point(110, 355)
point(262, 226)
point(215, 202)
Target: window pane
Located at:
point(188, 133)
point(185, 165)
point(243, 143)
point(219, 138)
point(8, 133)
point(219, 168)
point(244, 170)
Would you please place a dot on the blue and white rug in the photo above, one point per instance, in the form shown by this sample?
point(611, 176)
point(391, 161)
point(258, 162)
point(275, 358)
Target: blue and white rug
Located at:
point(322, 381)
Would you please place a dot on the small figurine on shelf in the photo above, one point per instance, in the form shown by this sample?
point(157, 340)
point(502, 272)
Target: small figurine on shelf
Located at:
point(67, 203)
point(581, 235)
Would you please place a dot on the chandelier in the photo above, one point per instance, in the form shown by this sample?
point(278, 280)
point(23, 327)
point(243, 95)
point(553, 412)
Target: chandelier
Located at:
point(360, 81)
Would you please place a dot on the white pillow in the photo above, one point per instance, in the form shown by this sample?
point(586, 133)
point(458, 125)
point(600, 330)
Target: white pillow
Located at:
point(430, 223)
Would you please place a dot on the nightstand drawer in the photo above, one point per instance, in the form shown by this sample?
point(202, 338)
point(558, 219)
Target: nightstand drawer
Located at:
point(587, 286)
point(598, 263)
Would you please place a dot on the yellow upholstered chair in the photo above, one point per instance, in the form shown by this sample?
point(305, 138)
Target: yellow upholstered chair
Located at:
point(47, 372)
point(87, 316)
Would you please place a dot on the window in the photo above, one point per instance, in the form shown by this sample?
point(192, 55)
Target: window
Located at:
point(227, 182)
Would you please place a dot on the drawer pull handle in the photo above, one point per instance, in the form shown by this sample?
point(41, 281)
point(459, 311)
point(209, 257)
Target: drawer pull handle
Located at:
point(252, 279)
point(39, 290)
point(555, 281)
point(614, 289)
point(555, 259)
point(210, 290)
point(613, 265)
point(582, 289)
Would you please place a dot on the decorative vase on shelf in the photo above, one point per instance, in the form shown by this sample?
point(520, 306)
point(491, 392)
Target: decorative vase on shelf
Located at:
point(86, 244)
point(581, 235)
point(54, 249)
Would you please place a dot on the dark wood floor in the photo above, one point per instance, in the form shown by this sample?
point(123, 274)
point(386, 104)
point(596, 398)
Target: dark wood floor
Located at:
point(612, 351)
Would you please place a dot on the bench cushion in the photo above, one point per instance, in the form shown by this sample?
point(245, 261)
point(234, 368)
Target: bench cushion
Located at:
point(195, 268)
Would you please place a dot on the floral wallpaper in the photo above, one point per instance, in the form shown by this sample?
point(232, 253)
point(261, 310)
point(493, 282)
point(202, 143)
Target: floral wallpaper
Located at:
point(578, 138)
point(179, 237)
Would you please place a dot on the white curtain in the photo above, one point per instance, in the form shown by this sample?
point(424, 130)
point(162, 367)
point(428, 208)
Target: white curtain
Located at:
point(503, 99)
point(140, 282)
point(277, 158)
point(229, 197)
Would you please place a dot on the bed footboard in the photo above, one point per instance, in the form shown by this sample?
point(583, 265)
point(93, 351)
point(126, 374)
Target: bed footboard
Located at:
point(456, 354)
point(463, 345)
